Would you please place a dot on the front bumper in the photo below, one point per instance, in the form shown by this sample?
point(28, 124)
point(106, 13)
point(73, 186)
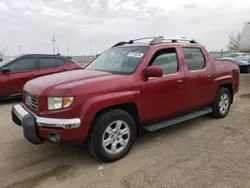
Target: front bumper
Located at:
point(32, 123)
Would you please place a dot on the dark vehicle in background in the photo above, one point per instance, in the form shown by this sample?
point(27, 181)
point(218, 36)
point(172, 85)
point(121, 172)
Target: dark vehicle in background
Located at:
point(243, 63)
point(232, 56)
point(15, 72)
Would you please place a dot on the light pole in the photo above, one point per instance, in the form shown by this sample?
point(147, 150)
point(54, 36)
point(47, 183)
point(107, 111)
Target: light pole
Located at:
point(20, 49)
point(90, 47)
point(7, 49)
point(68, 47)
point(3, 52)
point(222, 52)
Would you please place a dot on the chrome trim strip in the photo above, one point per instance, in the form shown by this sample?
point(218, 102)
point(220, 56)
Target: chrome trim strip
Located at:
point(58, 123)
point(21, 111)
point(16, 94)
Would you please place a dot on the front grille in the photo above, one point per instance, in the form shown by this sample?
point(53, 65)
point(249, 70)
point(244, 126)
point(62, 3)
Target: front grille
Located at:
point(31, 102)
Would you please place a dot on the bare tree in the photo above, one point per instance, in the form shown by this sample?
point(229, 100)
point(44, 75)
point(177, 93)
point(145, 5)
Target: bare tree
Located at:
point(234, 42)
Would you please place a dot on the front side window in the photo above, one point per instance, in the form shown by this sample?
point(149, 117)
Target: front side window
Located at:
point(46, 63)
point(167, 59)
point(194, 58)
point(26, 64)
point(120, 60)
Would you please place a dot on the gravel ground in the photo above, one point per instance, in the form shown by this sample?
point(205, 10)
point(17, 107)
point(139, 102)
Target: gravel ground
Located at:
point(203, 152)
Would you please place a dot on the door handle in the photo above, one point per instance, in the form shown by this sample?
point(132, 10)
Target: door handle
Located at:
point(179, 81)
point(209, 77)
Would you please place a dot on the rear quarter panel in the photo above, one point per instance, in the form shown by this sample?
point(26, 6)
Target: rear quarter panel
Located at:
point(227, 72)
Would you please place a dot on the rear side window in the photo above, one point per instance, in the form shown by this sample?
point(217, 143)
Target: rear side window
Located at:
point(26, 64)
point(59, 62)
point(46, 63)
point(194, 58)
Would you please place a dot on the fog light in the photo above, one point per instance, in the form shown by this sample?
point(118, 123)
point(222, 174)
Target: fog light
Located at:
point(54, 137)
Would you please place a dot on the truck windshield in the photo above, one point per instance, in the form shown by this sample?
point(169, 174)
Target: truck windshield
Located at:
point(119, 60)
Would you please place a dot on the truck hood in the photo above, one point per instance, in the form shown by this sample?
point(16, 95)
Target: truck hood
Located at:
point(65, 82)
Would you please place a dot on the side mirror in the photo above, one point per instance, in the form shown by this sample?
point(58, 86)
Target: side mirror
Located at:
point(5, 70)
point(154, 71)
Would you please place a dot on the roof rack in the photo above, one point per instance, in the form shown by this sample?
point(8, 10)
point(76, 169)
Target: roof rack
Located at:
point(157, 40)
point(182, 39)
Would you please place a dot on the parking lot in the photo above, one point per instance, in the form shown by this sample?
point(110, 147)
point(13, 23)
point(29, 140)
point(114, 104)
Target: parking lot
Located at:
point(203, 152)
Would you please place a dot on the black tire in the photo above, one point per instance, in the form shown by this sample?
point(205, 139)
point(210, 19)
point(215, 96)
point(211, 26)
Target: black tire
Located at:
point(95, 146)
point(216, 112)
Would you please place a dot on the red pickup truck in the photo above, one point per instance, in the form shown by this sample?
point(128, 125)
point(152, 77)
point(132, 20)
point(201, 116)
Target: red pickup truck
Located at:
point(130, 87)
point(15, 72)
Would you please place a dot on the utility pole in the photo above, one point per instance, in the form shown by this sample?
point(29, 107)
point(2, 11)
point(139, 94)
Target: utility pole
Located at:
point(20, 49)
point(68, 47)
point(54, 41)
point(222, 52)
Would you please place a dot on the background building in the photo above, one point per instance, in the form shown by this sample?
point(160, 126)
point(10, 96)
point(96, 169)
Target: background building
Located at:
point(245, 38)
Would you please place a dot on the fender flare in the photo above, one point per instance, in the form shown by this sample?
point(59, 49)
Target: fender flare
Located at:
point(93, 105)
point(227, 79)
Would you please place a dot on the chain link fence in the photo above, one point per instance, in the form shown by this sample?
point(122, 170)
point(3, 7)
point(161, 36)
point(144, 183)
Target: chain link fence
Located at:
point(84, 60)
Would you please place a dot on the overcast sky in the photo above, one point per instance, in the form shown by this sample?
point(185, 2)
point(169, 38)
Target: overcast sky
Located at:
point(32, 23)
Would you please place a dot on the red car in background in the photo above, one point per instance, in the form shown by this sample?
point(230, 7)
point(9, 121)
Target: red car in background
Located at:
point(15, 72)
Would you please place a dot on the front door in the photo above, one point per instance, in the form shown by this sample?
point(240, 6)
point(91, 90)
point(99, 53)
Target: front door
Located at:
point(21, 71)
point(163, 97)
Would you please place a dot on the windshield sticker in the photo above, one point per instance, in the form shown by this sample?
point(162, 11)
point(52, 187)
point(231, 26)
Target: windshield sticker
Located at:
point(135, 54)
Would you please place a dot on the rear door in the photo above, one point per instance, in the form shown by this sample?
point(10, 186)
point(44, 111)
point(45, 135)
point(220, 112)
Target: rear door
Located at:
point(21, 71)
point(198, 77)
point(50, 65)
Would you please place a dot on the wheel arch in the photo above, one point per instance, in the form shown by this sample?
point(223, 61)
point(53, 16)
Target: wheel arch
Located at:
point(229, 86)
point(129, 107)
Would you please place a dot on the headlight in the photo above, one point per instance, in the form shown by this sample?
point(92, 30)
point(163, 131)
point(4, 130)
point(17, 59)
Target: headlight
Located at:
point(57, 103)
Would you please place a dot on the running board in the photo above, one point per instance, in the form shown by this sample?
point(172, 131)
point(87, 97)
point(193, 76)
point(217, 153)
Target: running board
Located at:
point(178, 119)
